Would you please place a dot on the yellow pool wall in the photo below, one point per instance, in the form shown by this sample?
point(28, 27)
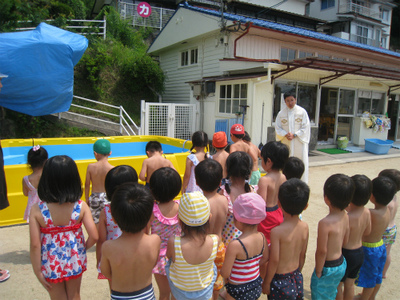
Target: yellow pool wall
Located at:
point(13, 214)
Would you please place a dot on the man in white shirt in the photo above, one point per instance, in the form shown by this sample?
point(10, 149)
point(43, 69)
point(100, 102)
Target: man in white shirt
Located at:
point(292, 127)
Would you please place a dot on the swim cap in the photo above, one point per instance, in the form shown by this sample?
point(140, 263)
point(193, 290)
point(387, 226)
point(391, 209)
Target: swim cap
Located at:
point(194, 209)
point(219, 140)
point(237, 129)
point(102, 146)
point(249, 208)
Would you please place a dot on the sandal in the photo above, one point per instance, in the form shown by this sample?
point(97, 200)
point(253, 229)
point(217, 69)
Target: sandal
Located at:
point(2, 271)
point(4, 276)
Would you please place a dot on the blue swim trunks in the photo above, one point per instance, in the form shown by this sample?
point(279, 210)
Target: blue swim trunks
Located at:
point(325, 287)
point(146, 293)
point(374, 260)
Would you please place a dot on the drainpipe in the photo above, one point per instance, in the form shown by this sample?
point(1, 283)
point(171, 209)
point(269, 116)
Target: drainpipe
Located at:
point(235, 42)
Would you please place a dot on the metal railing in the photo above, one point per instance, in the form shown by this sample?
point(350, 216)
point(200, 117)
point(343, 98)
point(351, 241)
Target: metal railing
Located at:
point(349, 7)
point(126, 125)
point(83, 27)
point(158, 18)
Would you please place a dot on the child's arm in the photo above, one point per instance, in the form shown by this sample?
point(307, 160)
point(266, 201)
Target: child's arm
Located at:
point(303, 252)
point(102, 235)
point(322, 248)
point(171, 249)
point(105, 266)
point(90, 226)
point(231, 252)
point(273, 261)
point(143, 172)
point(87, 184)
point(186, 177)
point(36, 246)
point(25, 188)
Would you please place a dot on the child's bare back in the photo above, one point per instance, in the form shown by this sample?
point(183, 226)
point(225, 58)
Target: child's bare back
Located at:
point(96, 174)
point(333, 233)
point(360, 225)
point(268, 187)
point(129, 260)
point(153, 163)
point(219, 211)
point(221, 157)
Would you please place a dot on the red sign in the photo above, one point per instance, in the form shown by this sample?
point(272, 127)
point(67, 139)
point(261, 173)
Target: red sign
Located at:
point(144, 9)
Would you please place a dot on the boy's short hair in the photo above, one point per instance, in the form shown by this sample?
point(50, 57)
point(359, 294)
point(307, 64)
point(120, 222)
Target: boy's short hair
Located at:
point(294, 168)
point(293, 196)
point(208, 174)
point(165, 184)
point(153, 146)
point(132, 206)
point(277, 152)
point(392, 174)
point(363, 190)
point(246, 137)
point(117, 176)
point(339, 189)
point(383, 189)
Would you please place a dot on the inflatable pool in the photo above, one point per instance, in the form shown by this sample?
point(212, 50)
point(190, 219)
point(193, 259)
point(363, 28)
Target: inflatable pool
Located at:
point(124, 151)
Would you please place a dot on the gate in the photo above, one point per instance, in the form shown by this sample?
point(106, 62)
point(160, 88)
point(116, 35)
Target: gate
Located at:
point(168, 119)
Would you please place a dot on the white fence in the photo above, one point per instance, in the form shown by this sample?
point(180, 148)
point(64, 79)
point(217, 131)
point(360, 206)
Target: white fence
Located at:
point(168, 119)
point(83, 27)
point(125, 125)
point(158, 18)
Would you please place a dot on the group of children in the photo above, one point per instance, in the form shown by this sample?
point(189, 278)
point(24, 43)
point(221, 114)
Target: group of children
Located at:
point(230, 227)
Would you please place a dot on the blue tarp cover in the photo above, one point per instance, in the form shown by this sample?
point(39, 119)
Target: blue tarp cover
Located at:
point(40, 65)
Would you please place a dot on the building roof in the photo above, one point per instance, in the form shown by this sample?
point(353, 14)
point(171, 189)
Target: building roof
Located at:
point(290, 29)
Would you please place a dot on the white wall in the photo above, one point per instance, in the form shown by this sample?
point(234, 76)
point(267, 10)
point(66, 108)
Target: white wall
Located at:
point(328, 14)
point(293, 6)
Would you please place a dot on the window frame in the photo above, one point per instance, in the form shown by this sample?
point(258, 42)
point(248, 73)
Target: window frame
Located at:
point(189, 57)
point(230, 95)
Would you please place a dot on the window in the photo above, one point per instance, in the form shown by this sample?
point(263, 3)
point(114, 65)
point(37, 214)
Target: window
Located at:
point(306, 97)
point(327, 4)
point(369, 101)
point(303, 54)
point(287, 54)
point(362, 34)
point(384, 14)
point(189, 57)
point(231, 97)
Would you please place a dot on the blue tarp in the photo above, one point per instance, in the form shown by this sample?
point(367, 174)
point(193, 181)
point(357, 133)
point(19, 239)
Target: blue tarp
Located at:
point(40, 68)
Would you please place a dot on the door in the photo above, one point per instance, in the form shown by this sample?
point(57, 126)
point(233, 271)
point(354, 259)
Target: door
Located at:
point(393, 114)
point(345, 114)
point(327, 115)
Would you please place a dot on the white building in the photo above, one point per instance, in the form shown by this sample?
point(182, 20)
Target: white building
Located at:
point(224, 61)
point(362, 21)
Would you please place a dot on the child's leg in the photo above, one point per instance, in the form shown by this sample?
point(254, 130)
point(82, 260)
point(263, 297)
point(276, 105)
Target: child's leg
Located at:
point(58, 291)
point(388, 260)
point(348, 292)
point(73, 288)
point(366, 293)
point(375, 292)
point(339, 295)
point(163, 286)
